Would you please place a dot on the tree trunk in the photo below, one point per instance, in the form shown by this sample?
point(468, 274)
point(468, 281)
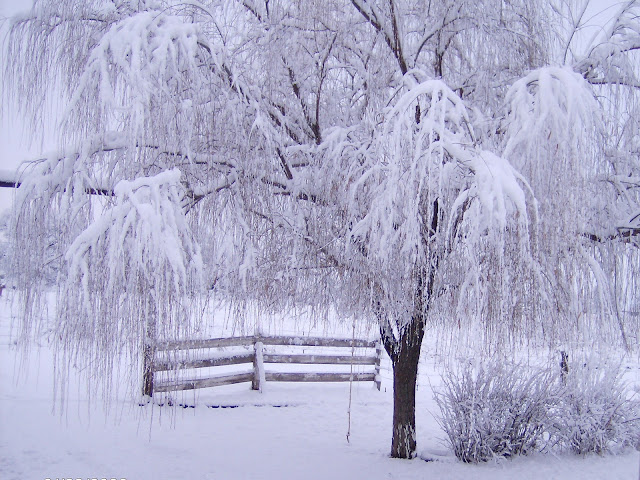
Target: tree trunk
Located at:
point(405, 355)
point(149, 350)
point(405, 372)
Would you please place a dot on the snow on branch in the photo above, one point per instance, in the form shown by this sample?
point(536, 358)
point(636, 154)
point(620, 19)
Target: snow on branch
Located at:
point(144, 234)
point(552, 133)
point(147, 58)
point(8, 179)
point(65, 170)
point(52, 205)
point(423, 181)
point(608, 60)
point(130, 279)
point(551, 101)
point(429, 158)
point(556, 136)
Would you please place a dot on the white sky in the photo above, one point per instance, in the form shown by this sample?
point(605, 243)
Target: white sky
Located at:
point(14, 142)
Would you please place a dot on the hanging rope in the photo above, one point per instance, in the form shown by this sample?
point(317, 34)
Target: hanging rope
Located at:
point(353, 348)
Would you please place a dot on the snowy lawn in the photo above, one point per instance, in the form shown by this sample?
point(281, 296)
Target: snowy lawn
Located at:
point(290, 431)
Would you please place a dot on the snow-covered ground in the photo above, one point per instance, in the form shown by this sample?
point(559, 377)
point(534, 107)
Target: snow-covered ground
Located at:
point(289, 431)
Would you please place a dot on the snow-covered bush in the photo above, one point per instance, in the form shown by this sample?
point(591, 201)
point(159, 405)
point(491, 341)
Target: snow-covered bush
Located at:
point(595, 413)
point(494, 409)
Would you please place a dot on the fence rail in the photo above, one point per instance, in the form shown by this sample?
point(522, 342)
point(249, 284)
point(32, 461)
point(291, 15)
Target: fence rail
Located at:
point(258, 358)
point(280, 340)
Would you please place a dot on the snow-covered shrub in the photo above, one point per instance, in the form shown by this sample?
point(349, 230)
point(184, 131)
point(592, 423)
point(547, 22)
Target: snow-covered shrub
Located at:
point(494, 409)
point(595, 413)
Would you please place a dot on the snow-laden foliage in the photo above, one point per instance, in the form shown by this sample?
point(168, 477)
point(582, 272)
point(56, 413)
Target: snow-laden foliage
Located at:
point(353, 156)
point(52, 208)
point(147, 225)
point(144, 62)
point(552, 119)
point(595, 412)
point(119, 255)
point(491, 409)
point(420, 190)
point(608, 62)
point(607, 58)
point(553, 134)
point(494, 409)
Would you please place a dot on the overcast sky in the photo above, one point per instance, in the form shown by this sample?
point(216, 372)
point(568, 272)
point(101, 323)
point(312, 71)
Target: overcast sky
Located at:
point(12, 146)
point(14, 142)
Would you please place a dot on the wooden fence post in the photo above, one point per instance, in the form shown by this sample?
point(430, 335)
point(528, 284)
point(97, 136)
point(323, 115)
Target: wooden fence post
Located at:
point(378, 380)
point(258, 366)
point(148, 357)
point(148, 353)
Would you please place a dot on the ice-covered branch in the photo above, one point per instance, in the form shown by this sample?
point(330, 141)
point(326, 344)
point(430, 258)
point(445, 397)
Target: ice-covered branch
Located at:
point(146, 228)
point(131, 275)
point(611, 59)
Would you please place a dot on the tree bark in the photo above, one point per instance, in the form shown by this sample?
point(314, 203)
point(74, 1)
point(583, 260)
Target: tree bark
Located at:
point(148, 353)
point(149, 350)
point(404, 358)
point(404, 351)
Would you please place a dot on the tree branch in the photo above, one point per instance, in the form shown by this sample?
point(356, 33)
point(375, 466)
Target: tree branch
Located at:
point(624, 235)
point(372, 18)
point(604, 81)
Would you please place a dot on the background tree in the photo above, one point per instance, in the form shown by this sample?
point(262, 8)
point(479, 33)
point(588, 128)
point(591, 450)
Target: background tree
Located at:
point(354, 155)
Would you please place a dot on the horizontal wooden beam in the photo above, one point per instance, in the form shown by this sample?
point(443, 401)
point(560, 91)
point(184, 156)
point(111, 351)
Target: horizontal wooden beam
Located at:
point(318, 342)
point(203, 363)
point(320, 359)
point(206, 343)
point(318, 377)
point(204, 382)
point(278, 340)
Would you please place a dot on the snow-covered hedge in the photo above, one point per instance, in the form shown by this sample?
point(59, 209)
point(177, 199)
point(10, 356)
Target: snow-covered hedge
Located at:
point(595, 414)
point(495, 409)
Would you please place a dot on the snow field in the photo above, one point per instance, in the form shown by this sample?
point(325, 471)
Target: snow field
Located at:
point(290, 431)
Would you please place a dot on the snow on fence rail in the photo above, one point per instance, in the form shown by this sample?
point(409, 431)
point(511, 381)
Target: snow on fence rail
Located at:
point(258, 357)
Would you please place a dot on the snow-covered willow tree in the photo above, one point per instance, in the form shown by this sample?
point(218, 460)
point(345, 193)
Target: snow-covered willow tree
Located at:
point(572, 131)
point(423, 199)
point(378, 158)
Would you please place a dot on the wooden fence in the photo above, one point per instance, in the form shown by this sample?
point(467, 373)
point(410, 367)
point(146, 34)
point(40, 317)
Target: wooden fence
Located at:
point(258, 357)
